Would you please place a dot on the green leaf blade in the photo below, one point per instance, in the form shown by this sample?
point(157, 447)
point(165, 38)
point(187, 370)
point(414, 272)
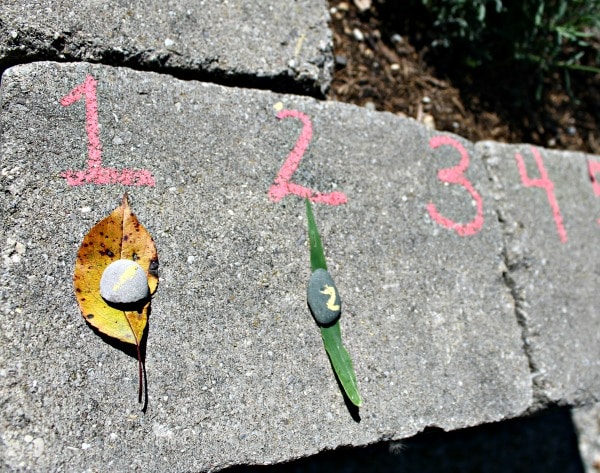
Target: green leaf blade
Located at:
point(332, 336)
point(317, 255)
point(341, 361)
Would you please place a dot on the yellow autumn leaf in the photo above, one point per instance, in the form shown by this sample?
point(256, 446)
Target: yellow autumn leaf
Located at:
point(120, 236)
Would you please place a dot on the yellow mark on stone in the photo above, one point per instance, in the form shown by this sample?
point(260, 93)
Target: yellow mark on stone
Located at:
point(127, 275)
point(330, 291)
point(278, 106)
point(299, 44)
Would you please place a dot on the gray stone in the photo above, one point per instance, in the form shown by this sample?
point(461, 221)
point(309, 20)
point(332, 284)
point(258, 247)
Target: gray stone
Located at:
point(276, 42)
point(237, 373)
point(553, 261)
point(124, 282)
point(323, 297)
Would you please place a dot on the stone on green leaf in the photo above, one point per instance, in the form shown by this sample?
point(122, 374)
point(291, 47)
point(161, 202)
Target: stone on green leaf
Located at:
point(323, 298)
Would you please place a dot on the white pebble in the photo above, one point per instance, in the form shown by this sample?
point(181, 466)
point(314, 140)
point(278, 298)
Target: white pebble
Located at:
point(38, 447)
point(124, 282)
point(358, 35)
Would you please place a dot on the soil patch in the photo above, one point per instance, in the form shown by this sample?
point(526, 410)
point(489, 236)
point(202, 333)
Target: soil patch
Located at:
point(381, 63)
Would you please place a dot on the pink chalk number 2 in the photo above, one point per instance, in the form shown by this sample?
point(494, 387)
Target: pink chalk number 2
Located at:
point(282, 185)
point(95, 172)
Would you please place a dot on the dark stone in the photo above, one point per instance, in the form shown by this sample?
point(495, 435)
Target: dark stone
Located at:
point(323, 298)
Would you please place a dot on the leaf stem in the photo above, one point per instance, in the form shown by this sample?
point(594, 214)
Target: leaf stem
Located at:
point(139, 357)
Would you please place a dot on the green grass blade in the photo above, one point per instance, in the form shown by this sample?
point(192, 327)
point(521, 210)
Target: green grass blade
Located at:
point(341, 361)
point(317, 255)
point(332, 336)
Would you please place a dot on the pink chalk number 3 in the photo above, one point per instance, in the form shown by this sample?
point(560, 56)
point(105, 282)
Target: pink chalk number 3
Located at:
point(456, 175)
point(95, 172)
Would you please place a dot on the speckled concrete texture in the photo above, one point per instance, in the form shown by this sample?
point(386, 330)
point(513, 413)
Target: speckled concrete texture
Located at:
point(282, 43)
point(550, 217)
point(237, 373)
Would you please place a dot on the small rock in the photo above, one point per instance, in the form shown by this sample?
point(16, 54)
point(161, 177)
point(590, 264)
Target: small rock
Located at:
point(358, 35)
point(429, 121)
point(362, 5)
point(124, 282)
point(323, 298)
point(397, 39)
point(370, 106)
point(38, 447)
point(341, 60)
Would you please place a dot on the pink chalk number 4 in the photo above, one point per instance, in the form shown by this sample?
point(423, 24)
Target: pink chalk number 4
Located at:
point(282, 185)
point(594, 169)
point(543, 182)
point(95, 172)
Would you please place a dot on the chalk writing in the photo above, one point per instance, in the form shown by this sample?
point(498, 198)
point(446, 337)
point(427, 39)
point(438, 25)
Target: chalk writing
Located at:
point(593, 169)
point(95, 173)
point(282, 185)
point(456, 175)
point(330, 291)
point(543, 183)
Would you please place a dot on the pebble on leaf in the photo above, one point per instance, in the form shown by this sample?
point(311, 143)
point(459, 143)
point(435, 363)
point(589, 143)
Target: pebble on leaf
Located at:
point(323, 298)
point(124, 282)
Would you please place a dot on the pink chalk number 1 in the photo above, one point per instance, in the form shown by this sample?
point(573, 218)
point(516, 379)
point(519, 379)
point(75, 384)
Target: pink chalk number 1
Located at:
point(456, 175)
point(282, 185)
point(95, 172)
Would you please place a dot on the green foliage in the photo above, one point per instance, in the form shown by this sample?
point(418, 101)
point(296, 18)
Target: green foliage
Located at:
point(536, 36)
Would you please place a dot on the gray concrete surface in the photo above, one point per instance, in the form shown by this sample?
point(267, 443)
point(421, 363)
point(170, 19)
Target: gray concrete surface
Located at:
point(237, 373)
point(587, 422)
point(554, 279)
point(284, 44)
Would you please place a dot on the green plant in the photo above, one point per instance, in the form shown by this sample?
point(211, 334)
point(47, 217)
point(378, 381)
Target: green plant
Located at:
point(533, 37)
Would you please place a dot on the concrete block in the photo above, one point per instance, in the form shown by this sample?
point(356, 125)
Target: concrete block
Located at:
point(237, 373)
point(549, 212)
point(288, 44)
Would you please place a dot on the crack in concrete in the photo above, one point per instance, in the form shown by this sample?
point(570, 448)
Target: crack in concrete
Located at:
point(514, 262)
point(539, 399)
point(33, 46)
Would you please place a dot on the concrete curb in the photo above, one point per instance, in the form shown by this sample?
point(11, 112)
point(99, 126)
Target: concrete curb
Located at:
point(467, 270)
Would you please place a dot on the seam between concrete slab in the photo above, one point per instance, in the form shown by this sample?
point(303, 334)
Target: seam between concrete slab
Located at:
point(202, 70)
point(539, 399)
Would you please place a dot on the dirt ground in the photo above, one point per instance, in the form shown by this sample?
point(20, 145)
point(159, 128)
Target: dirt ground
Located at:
point(377, 66)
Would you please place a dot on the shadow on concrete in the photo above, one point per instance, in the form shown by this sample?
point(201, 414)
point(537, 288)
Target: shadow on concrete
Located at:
point(132, 351)
point(545, 442)
point(353, 410)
